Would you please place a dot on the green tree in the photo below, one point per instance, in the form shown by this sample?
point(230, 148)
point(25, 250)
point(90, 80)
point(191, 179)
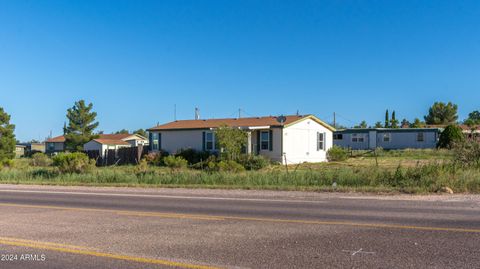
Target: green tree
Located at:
point(387, 121)
point(81, 124)
point(378, 124)
point(451, 135)
point(362, 125)
point(394, 121)
point(141, 132)
point(405, 123)
point(123, 131)
point(231, 141)
point(7, 137)
point(473, 119)
point(417, 123)
point(441, 113)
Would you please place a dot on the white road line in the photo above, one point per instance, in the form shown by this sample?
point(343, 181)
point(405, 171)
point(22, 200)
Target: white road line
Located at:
point(164, 196)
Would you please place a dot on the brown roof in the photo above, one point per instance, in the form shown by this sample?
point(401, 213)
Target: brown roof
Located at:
point(233, 122)
point(61, 139)
point(110, 141)
point(58, 139)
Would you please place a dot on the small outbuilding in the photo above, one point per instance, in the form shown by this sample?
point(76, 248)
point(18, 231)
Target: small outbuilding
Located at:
point(103, 145)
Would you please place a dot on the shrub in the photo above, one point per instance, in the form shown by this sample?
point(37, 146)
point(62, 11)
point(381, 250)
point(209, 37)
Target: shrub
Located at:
point(230, 166)
point(253, 162)
point(41, 159)
point(141, 168)
point(7, 163)
point(337, 154)
point(193, 156)
point(451, 135)
point(175, 162)
point(155, 158)
point(207, 164)
point(76, 162)
point(467, 153)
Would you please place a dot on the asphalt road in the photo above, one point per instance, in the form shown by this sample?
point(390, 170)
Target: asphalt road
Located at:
point(79, 227)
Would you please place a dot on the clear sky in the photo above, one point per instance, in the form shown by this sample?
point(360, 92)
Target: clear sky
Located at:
point(135, 60)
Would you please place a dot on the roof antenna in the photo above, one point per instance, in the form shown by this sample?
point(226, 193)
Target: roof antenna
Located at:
point(175, 112)
point(298, 113)
point(197, 113)
point(239, 113)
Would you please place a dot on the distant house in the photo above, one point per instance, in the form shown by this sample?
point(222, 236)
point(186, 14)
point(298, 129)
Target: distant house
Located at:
point(470, 132)
point(102, 145)
point(295, 140)
point(20, 150)
point(35, 147)
point(387, 138)
point(57, 144)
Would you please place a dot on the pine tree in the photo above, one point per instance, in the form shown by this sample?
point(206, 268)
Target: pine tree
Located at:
point(387, 121)
point(7, 137)
point(441, 113)
point(81, 124)
point(393, 121)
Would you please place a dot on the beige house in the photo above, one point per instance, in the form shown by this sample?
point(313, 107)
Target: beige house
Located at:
point(285, 139)
point(20, 150)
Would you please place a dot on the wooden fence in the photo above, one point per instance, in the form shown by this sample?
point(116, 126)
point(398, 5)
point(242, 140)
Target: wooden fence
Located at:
point(122, 156)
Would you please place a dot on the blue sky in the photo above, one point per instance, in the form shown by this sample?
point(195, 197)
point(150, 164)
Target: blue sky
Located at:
point(135, 60)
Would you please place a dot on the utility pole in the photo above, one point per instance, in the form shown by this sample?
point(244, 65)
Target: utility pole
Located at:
point(239, 113)
point(334, 120)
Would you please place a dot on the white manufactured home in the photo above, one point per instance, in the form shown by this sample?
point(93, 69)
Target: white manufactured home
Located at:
point(387, 138)
point(285, 139)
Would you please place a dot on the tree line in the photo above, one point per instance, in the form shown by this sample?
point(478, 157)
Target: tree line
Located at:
point(438, 114)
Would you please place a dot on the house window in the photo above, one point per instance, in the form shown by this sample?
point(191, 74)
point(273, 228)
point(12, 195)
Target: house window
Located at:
point(209, 141)
point(51, 146)
point(420, 137)
point(337, 136)
point(386, 137)
point(264, 140)
point(155, 141)
point(320, 141)
point(358, 138)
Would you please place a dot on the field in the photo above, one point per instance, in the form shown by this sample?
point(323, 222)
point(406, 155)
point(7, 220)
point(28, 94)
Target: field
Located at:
point(408, 171)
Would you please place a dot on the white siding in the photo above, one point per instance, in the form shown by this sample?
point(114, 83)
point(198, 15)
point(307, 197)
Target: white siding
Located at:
point(93, 145)
point(300, 142)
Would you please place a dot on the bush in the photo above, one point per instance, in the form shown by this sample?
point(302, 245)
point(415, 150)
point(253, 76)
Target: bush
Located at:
point(337, 154)
point(193, 156)
point(253, 162)
point(206, 164)
point(76, 162)
point(175, 162)
point(155, 158)
point(141, 168)
point(41, 159)
point(467, 153)
point(451, 135)
point(230, 166)
point(7, 163)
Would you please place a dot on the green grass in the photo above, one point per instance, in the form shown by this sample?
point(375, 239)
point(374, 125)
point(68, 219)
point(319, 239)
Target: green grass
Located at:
point(406, 172)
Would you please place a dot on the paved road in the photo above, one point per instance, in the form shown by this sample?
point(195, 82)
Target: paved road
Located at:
point(75, 227)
